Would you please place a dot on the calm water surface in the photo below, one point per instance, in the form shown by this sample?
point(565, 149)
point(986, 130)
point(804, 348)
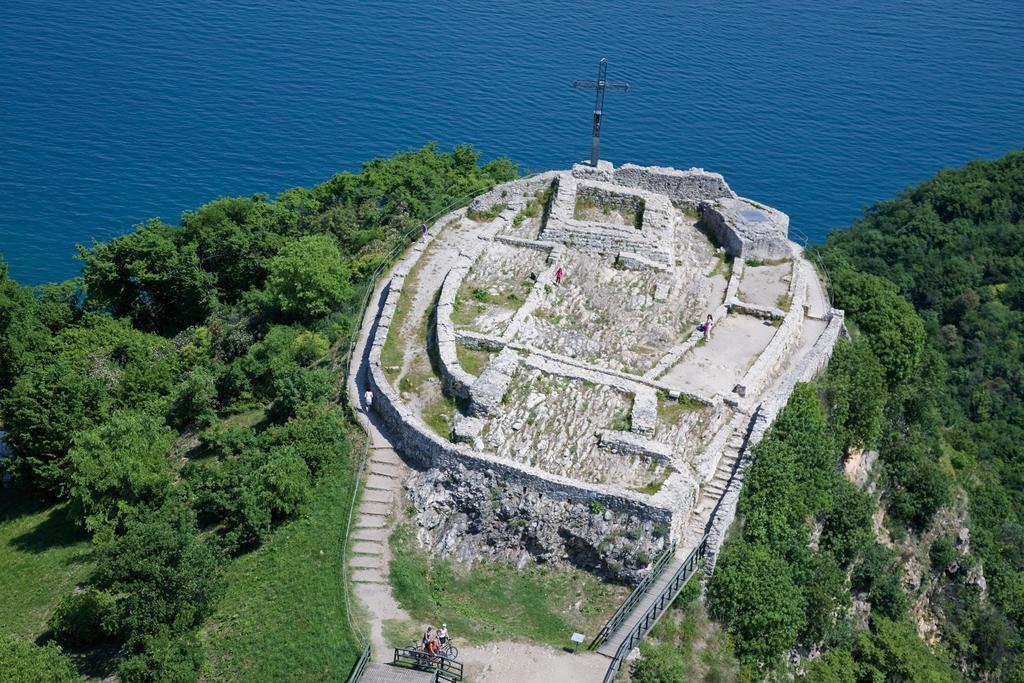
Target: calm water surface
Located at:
point(113, 112)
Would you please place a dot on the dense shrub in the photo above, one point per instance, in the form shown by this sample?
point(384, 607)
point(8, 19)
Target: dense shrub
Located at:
point(163, 658)
point(161, 573)
point(84, 618)
point(22, 661)
point(119, 466)
point(754, 596)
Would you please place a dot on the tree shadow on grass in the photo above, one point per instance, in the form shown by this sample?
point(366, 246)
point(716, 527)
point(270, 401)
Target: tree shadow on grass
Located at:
point(56, 530)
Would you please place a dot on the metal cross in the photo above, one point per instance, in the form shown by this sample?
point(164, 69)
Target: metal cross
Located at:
point(600, 85)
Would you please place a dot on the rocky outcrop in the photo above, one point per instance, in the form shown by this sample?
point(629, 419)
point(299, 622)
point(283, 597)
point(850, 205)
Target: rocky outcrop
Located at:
point(469, 514)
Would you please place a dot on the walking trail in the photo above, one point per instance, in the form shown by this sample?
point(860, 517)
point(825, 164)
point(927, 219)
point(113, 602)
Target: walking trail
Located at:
point(374, 519)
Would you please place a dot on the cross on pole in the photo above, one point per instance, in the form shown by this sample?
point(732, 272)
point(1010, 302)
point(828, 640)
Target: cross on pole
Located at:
point(600, 85)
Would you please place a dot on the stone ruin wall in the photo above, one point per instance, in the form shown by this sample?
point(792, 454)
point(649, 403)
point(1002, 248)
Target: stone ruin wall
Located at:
point(599, 528)
point(652, 241)
point(476, 505)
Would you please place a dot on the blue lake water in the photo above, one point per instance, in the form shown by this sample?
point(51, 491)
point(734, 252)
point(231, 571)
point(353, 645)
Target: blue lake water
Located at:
point(113, 112)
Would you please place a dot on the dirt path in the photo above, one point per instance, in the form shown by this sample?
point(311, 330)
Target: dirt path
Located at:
point(506, 661)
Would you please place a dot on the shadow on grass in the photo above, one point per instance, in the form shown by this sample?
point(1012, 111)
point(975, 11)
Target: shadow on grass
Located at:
point(56, 530)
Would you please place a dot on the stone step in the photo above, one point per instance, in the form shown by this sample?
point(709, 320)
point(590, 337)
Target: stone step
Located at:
point(375, 535)
point(368, 576)
point(371, 522)
point(714, 490)
point(385, 454)
point(377, 496)
point(366, 562)
point(384, 469)
point(367, 548)
point(379, 483)
point(369, 507)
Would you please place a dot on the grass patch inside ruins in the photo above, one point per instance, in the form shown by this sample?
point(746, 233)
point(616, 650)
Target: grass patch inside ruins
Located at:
point(487, 215)
point(654, 485)
point(414, 380)
point(588, 209)
point(283, 616)
point(392, 354)
point(439, 414)
point(472, 361)
point(43, 556)
point(496, 601)
point(670, 410)
point(723, 266)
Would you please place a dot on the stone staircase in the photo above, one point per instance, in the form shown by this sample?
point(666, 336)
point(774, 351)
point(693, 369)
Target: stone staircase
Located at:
point(650, 601)
point(368, 560)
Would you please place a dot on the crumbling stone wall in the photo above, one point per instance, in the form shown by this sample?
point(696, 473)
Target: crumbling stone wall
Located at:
point(747, 229)
point(653, 241)
point(686, 188)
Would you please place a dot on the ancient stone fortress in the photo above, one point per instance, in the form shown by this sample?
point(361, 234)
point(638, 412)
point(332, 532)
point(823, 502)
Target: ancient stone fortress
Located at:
point(589, 421)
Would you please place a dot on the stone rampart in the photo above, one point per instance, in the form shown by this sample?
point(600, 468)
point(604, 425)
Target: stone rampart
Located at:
point(489, 389)
point(455, 379)
point(515, 193)
point(427, 450)
point(686, 188)
point(813, 362)
point(786, 337)
point(632, 444)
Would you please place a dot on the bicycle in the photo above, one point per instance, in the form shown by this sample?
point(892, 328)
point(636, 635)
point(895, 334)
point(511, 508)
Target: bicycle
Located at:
point(449, 650)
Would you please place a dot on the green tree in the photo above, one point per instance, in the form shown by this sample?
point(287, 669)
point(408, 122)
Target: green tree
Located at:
point(160, 571)
point(147, 277)
point(835, 666)
point(119, 466)
point(22, 332)
point(308, 278)
point(22, 661)
point(754, 596)
point(891, 650)
point(894, 331)
point(195, 400)
point(48, 405)
point(856, 394)
point(846, 526)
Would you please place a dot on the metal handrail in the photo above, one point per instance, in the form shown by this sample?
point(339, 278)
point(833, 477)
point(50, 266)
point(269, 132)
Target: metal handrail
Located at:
point(820, 265)
point(657, 569)
point(360, 667)
point(445, 668)
point(646, 622)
